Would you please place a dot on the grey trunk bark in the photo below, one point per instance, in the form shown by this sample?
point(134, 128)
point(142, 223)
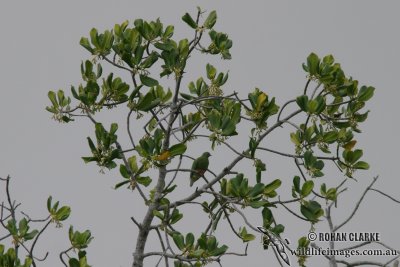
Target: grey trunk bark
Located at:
point(138, 256)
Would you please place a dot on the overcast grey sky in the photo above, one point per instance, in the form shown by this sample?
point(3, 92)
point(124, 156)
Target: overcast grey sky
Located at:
point(40, 52)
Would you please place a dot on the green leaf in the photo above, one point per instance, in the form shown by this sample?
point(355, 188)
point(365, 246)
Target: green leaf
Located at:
point(219, 251)
point(61, 98)
point(133, 164)
point(186, 96)
point(178, 240)
point(189, 239)
point(267, 217)
point(183, 48)
point(94, 38)
point(296, 184)
point(303, 242)
point(196, 254)
point(272, 186)
point(361, 117)
point(31, 235)
point(158, 214)
point(89, 159)
point(328, 59)
point(149, 61)
point(313, 64)
point(169, 31)
point(256, 190)
point(147, 102)
point(63, 213)
point(23, 226)
point(211, 71)
point(295, 138)
point(278, 229)
point(357, 154)
point(211, 20)
point(320, 105)
point(352, 156)
point(309, 159)
point(79, 240)
point(175, 216)
point(85, 43)
point(261, 100)
point(330, 137)
point(73, 262)
point(121, 184)
point(312, 106)
point(258, 204)
point(27, 262)
point(144, 180)
point(361, 165)
point(148, 81)
point(189, 20)
point(211, 243)
point(49, 199)
point(307, 188)
point(260, 167)
point(311, 210)
point(12, 227)
point(228, 127)
point(124, 171)
point(177, 149)
point(53, 99)
point(331, 194)
point(169, 189)
point(365, 93)
point(246, 237)
point(308, 214)
point(323, 189)
point(214, 118)
point(302, 102)
point(113, 128)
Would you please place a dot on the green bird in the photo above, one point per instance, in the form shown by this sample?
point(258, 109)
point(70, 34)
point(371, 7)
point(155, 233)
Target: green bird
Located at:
point(199, 167)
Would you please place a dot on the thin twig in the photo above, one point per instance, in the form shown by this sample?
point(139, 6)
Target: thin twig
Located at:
point(36, 239)
point(293, 213)
point(357, 206)
point(386, 195)
point(293, 156)
point(128, 127)
point(283, 107)
point(163, 248)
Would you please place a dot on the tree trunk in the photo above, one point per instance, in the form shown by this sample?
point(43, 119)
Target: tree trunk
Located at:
point(144, 229)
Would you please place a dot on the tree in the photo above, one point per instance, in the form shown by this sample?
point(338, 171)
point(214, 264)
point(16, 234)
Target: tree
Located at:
point(158, 157)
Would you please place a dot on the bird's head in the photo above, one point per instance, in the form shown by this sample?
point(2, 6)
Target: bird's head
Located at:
point(206, 154)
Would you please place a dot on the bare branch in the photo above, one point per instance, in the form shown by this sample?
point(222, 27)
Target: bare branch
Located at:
point(306, 87)
point(163, 248)
point(36, 239)
point(136, 222)
point(293, 156)
point(332, 259)
point(386, 195)
point(357, 206)
point(293, 213)
point(244, 218)
point(128, 127)
point(5, 237)
point(283, 107)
